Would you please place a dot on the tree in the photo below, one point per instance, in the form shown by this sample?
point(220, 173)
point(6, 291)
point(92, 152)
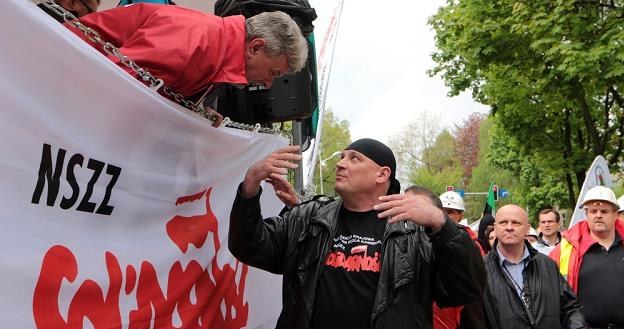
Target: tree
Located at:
point(440, 166)
point(335, 136)
point(485, 173)
point(552, 72)
point(411, 142)
point(467, 144)
point(538, 185)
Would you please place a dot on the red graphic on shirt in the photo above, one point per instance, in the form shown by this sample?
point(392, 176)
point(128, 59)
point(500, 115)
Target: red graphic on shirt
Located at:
point(357, 261)
point(217, 301)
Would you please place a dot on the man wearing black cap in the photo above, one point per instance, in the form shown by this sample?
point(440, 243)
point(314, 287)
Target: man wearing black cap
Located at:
point(370, 259)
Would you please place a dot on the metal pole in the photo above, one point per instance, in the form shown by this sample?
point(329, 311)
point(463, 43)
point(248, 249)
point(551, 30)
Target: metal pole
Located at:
point(321, 174)
point(298, 140)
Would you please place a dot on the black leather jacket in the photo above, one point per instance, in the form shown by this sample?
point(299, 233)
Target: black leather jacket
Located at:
point(415, 267)
point(552, 303)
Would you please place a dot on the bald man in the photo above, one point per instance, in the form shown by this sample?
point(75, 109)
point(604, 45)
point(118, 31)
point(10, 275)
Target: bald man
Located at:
point(525, 289)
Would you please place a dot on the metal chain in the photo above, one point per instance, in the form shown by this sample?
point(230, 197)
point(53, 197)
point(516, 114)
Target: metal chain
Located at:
point(147, 77)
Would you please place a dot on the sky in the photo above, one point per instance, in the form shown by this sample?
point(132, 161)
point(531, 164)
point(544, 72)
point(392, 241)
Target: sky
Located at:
point(378, 80)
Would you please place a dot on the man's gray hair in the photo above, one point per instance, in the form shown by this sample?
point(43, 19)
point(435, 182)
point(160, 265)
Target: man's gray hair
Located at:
point(282, 36)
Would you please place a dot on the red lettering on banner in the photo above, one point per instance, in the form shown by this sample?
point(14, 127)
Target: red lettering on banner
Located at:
point(353, 262)
point(218, 301)
point(88, 302)
point(193, 230)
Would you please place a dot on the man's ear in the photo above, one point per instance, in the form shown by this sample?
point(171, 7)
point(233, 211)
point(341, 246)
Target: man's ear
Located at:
point(255, 45)
point(383, 174)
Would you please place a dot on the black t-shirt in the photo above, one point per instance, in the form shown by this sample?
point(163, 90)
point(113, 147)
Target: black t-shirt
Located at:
point(348, 283)
point(600, 286)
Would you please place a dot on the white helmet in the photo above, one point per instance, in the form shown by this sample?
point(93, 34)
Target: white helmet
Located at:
point(620, 202)
point(452, 200)
point(532, 232)
point(600, 193)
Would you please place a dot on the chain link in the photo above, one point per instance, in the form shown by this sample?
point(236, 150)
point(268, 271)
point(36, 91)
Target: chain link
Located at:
point(147, 77)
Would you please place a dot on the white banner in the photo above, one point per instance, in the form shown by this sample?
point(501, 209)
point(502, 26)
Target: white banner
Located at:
point(598, 174)
point(115, 201)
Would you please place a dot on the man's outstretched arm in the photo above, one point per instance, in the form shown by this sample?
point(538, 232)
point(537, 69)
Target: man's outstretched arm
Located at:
point(254, 241)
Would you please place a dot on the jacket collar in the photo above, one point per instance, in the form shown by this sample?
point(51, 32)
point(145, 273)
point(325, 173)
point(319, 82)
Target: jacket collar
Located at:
point(401, 227)
point(541, 241)
point(495, 255)
point(579, 236)
point(330, 214)
point(233, 68)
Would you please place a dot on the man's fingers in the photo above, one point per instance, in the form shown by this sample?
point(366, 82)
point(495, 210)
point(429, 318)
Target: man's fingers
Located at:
point(218, 120)
point(388, 204)
point(215, 116)
point(385, 198)
point(392, 212)
point(288, 149)
point(284, 164)
point(397, 218)
point(287, 156)
point(281, 171)
point(280, 181)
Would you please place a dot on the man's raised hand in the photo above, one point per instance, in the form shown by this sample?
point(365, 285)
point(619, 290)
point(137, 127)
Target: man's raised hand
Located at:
point(277, 162)
point(283, 190)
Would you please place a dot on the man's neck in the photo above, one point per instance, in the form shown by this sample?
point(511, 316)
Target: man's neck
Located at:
point(360, 202)
point(512, 253)
point(605, 239)
point(550, 239)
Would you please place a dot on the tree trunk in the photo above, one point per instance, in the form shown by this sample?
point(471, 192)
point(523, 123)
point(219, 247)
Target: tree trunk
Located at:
point(570, 185)
point(590, 124)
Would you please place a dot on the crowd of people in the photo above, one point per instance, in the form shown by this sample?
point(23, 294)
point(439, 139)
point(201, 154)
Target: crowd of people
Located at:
point(376, 257)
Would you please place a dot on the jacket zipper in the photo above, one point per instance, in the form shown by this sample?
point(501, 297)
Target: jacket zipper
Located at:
point(381, 258)
point(524, 306)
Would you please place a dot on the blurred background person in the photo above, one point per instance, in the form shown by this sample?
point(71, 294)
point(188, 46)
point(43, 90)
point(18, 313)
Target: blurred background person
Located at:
point(491, 234)
point(532, 236)
point(487, 220)
point(549, 235)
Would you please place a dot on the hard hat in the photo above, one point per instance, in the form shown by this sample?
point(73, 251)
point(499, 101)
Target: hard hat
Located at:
point(620, 202)
point(600, 193)
point(452, 200)
point(532, 231)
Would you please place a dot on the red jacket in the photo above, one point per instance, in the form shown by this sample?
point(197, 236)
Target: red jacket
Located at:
point(188, 49)
point(579, 238)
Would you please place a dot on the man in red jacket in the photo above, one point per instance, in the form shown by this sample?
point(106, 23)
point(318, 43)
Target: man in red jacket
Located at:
point(192, 51)
point(591, 257)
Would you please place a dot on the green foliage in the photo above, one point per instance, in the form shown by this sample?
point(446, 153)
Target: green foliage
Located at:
point(538, 187)
point(335, 137)
point(440, 166)
point(553, 74)
point(484, 173)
